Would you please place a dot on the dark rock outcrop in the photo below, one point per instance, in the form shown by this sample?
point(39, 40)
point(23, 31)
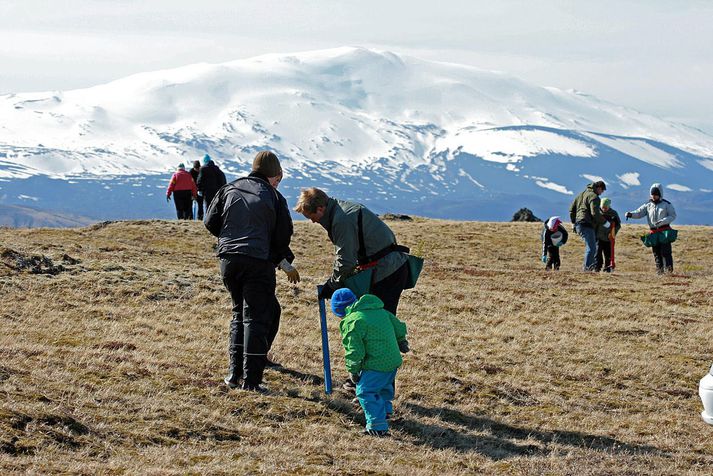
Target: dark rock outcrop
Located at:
point(395, 217)
point(524, 214)
point(35, 264)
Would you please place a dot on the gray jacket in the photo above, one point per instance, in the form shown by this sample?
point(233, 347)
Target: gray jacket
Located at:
point(658, 214)
point(340, 219)
point(249, 218)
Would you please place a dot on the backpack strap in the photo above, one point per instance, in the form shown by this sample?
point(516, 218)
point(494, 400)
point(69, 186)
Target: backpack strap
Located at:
point(362, 258)
point(361, 252)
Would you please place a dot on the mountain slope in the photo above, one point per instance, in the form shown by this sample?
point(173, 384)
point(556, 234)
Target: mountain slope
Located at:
point(397, 132)
point(28, 217)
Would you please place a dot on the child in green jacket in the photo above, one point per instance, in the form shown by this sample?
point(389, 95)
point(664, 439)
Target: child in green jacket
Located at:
point(605, 233)
point(373, 340)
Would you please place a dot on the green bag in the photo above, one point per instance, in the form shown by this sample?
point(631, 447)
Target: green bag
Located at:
point(415, 265)
point(360, 283)
point(662, 237)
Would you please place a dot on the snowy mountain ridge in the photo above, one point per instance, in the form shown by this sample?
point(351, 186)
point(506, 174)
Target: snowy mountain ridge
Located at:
point(390, 130)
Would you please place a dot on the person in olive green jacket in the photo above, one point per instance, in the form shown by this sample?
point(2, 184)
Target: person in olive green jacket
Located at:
point(373, 340)
point(380, 251)
point(586, 216)
point(612, 224)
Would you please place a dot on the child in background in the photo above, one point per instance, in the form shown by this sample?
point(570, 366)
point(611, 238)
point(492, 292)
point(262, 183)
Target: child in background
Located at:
point(554, 235)
point(605, 232)
point(373, 340)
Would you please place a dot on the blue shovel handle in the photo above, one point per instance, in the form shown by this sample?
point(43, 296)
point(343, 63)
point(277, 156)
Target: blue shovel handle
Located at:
point(325, 343)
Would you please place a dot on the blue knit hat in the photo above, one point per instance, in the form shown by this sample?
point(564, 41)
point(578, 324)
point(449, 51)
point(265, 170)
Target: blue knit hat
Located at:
point(181, 166)
point(206, 159)
point(341, 299)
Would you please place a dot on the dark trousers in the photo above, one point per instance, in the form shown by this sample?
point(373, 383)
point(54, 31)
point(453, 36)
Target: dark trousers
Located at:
point(553, 257)
point(207, 198)
point(275, 325)
point(390, 288)
point(663, 257)
point(251, 283)
point(183, 199)
point(603, 255)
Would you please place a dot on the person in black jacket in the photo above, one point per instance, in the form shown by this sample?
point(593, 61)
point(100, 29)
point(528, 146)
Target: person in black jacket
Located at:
point(199, 200)
point(210, 179)
point(253, 227)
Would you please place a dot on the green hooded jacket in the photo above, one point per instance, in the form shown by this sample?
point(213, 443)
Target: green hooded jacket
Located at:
point(585, 208)
point(612, 217)
point(370, 335)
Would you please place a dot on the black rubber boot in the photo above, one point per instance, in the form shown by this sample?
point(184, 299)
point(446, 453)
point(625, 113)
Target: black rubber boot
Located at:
point(235, 370)
point(235, 353)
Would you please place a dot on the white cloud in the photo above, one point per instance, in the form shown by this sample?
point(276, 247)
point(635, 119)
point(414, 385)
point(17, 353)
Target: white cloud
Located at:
point(465, 174)
point(592, 178)
point(511, 146)
point(554, 186)
point(678, 188)
point(629, 179)
point(706, 163)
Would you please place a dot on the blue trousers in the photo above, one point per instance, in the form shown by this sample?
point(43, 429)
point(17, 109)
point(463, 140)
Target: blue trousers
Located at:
point(590, 245)
point(375, 391)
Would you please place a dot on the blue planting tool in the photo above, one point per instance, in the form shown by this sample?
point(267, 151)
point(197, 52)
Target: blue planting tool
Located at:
point(325, 343)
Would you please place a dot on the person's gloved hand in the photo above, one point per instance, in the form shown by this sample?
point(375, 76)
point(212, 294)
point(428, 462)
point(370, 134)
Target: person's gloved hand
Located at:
point(168, 198)
point(544, 258)
point(355, 377)
point(628, 215)
point(327, 290)
point(293, 276)
point(403, 346)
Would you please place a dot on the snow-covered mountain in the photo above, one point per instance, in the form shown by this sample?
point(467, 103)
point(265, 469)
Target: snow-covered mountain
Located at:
point(395, 132)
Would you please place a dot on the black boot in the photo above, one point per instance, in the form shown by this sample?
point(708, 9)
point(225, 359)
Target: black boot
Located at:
point(235, 353)
point(235, 370)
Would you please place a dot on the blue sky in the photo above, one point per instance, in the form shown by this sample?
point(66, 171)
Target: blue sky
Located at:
point(654, 56)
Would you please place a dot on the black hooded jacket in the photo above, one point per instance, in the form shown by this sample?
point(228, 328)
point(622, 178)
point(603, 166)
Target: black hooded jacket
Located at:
point(251, 218)
point(210, 179)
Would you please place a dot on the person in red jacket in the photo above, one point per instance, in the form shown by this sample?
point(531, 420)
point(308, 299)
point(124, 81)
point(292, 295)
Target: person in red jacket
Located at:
point(184, 191)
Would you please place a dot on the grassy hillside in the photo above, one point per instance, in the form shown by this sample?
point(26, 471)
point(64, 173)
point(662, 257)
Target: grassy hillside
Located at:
point(113, 350)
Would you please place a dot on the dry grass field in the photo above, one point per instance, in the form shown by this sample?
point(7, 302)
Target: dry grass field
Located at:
point(114, 364)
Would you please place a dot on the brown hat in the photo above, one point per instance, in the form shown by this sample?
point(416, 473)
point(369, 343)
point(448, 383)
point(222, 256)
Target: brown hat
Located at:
point(266, 163)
